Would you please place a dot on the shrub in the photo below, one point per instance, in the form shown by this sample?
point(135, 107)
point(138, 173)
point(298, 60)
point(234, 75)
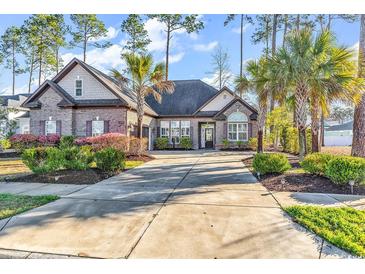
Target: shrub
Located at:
point(316, 163)
point(252, 143)
point(270, 163)
point(5, 143)
point(82, 141)
point(161, 143)
point(117, 141)
point(186, 143)
point(52, 139)
point(225, 143)
point(23, 141)
point(343, 169)
point(289, 140)
point(77, 158)
point(240, 144)
point(66, 142)
point(137, 146)
point(43, 159)
point(110, 160)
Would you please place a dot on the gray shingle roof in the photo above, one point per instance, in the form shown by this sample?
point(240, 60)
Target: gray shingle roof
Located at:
point(188, 96)
point(5, 98)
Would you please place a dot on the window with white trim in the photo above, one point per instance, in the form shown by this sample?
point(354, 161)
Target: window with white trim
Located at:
point(164, 129)
point(51, 127)
point(97, 128)
point(78, 87)
point(185, 128)
point(175, 132)
point(237, 127)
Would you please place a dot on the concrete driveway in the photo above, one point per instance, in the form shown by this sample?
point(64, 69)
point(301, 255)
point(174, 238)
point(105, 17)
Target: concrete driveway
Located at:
point(181, 205)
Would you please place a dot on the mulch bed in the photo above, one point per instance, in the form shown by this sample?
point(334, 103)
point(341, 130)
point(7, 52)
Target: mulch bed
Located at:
point(301, 182)
point(75, 177)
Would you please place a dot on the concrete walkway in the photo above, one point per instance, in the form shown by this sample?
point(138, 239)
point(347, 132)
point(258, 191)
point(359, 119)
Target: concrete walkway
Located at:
point(181, 205)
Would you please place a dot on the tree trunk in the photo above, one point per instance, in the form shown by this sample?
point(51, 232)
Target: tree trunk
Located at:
point(57, 60)
point(273, 50)
point(315, 124)
point(167, 51)
point(260, 141)
point(329, 21)
point(301, 99)
point(322, 131)
point(13, 53)
point(241, 48)
point(358, 140)
point(40, 71)
point(261, 123)
point(31, 71)
point(298, 22)
point(285, 28)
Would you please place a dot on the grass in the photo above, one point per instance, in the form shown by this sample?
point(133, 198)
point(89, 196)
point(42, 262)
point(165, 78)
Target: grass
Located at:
point(11, 204)
point(343, 227)
point(340, 150)
point(12, 167)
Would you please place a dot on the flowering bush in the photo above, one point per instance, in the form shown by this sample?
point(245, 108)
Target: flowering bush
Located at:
point(82, 141)
point(23, 141)
point(51, 139)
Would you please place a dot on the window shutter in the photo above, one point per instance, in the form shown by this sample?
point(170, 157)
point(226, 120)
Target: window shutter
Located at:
point(88, 128)
point(158, 132)
point(59, 127)
point(249, 130)
point(42, 125)
point(106, 126)
point(191, 132)
point(225, 125)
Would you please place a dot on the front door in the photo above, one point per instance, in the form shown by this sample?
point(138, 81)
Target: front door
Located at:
point(209, 138)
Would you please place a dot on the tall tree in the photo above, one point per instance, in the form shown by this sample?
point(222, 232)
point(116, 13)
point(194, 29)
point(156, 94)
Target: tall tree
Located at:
point(174, 22)
point(243, 19)
point(59, 32)
point(88, 29)
point(138, 40)
point(263, 31)
point(358, 140)
point(221, 68)
point(147, 79)
point(10, 47)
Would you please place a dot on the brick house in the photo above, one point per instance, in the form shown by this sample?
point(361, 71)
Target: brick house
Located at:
point(81, 100)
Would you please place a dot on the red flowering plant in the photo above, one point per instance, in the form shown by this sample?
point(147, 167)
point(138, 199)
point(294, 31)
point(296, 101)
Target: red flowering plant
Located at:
point(117, 141)
point(49, 140)
point(82, 141)
point(23, 141)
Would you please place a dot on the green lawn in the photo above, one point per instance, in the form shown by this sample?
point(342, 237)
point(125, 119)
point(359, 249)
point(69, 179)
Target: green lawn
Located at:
point(132, 164)
point(344, 226)
point(14, 204)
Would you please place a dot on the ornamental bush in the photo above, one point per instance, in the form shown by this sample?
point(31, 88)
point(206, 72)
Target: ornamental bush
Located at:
point(161, 143)
point(186, 143)
point(43, 159)
point(66, 142)
point(117, 141)
point(77, 158)
point(52, 139)
point(137, 146)
point(252, 143)
point(342, 169)
point(5, 143)
point(110, 160)
point(316, 163)
point(21, 142)
point(270, 163)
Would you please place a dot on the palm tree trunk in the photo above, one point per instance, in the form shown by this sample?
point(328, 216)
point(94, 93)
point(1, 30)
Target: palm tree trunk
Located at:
point(322, 131)
point(261, 124)
point(167, 51)
point(241, 48)
point(13, 53)
point(301, 99)
point(315, 124)
point(358, 140)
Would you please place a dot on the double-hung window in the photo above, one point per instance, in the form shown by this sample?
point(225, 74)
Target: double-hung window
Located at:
point(165, 129)
point(175, 132)
point(51, 127)
point(97, 128)
point(185, 128)
point(237, 127)
point(78, 87)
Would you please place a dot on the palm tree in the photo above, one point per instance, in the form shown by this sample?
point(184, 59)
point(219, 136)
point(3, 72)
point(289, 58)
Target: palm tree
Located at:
point(260, 81)
point(358, 141)
point(242, 84)
point(146, 78)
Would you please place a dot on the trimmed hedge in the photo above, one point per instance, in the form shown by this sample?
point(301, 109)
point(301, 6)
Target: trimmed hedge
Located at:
point(343, 169)
point(265, 163)
point(161, 143)
point(77, 158)
point(110, 160)
point(186, 143)
point(43, 159)
point(316, 163)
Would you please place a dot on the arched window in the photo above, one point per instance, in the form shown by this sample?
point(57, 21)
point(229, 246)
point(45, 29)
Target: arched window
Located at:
point(237, 126)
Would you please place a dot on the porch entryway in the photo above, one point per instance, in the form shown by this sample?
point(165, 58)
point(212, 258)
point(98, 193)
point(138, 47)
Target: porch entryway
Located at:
point(207, 135)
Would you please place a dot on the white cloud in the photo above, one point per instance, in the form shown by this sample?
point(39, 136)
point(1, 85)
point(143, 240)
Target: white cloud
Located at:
point(102, 59)
point(238, 29)
point(9, 90)
point(206, 47)
point(111, 34)
point(176, 57)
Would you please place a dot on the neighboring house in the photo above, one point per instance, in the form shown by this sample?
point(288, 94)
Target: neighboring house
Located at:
point(339, 135)
point(16, 112)
point(80, 100)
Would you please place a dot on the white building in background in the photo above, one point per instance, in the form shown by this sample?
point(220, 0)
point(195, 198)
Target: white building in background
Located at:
point(339, 135)
point(20, 114)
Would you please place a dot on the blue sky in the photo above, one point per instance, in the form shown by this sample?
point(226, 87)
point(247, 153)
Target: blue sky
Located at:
point(190, 53)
